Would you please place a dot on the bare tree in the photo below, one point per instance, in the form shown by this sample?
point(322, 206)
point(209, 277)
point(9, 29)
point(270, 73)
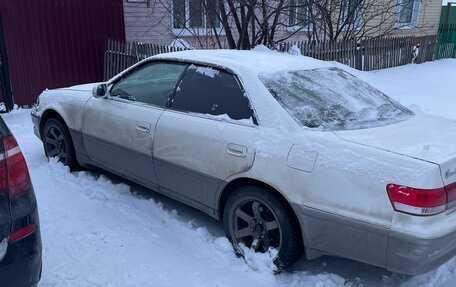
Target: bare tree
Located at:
point(348, 19)
point(243, 24)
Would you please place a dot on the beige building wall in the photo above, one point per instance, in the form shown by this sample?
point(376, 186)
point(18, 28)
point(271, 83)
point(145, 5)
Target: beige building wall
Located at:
point(148, 23)
point(153, 23)
point(429, 17)
point(427, 24)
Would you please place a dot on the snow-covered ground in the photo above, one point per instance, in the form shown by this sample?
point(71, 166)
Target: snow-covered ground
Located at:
point(99, 230)
point(429, 87)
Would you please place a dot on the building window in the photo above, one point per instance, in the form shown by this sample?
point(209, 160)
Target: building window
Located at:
point(196, 14)
point(351, 13)
point(299, 13)
point(408, 11)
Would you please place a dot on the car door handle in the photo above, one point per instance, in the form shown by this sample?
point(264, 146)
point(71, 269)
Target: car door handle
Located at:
point(143, 127)
point(236, 150)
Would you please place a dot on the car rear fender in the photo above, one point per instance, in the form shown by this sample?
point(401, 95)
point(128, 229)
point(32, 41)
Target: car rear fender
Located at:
point(448, 170)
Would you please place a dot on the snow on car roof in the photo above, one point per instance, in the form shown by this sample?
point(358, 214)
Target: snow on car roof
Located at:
point(258, 60)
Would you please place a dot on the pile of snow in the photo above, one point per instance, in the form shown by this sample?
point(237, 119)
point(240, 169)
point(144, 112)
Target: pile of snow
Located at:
point(261, 48)
point(206, 71)
point(180, 43)
point(294, 50)
point(99, 230)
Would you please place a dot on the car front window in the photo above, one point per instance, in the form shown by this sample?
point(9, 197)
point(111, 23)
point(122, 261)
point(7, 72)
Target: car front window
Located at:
point(151, 83)
point(332, 99)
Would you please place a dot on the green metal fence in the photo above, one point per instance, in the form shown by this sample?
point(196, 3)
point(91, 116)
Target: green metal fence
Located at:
point(447, 41)
point(448, 15)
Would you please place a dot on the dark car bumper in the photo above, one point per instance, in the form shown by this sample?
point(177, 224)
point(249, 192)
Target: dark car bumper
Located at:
point(21, 266)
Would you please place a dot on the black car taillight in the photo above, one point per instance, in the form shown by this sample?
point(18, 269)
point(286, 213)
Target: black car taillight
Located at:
point(22, 233)
point(15, 178)
point(14, 173)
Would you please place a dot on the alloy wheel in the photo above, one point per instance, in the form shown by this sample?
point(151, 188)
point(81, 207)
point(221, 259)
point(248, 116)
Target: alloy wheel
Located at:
point(56, 145)
point(254, 224)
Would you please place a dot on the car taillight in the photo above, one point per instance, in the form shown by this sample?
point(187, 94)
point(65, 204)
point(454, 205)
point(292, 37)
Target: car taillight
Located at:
point(15, 177)
point(22, 233)
point(451, 191)
point(417, 201)
point(13, 169)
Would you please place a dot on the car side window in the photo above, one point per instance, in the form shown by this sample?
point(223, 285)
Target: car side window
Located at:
point(211, 91)
point(151, 83)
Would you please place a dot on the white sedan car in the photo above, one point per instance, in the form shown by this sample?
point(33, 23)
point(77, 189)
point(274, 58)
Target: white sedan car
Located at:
point(291, 153)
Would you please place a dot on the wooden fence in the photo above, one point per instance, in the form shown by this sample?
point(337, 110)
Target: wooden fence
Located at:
point(365, 55)
point(370, 54)
point(121, 55)
point(345, 52)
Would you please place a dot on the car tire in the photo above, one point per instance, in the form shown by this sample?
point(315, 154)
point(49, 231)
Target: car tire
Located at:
point(253, 216)
point(58, 143)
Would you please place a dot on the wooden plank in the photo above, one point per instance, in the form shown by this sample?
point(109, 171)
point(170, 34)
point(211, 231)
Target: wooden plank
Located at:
point(368, 47)
point(116, 57)
point(374, 54)
point(373, 51)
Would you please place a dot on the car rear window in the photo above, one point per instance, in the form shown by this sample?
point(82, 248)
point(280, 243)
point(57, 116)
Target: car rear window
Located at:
point(332, 99)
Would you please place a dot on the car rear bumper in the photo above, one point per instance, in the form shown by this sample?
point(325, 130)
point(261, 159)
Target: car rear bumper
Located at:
point(21, 266)
point(413, 255)
point(329, 234)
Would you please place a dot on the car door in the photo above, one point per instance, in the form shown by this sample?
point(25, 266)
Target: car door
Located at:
point(205, 136)
point(118, 130)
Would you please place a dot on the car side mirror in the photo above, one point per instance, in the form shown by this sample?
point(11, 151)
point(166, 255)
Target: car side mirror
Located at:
point(100, 90)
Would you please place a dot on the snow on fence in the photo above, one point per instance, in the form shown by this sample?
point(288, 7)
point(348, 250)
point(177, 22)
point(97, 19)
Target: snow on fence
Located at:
point(370, 54)
point(345, 52)
point(365, 55)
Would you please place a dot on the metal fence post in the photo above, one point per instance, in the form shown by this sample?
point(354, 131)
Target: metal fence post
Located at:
point(5, 80)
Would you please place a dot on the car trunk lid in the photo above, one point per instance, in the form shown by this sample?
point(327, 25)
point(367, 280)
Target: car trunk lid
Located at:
point(423, 137)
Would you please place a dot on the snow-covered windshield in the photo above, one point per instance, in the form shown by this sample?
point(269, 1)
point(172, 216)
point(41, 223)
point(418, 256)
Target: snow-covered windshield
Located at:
point(332, 99)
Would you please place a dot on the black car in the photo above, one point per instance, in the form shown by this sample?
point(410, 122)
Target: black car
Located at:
point(20, 240)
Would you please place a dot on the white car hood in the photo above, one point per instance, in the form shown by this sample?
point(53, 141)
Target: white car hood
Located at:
point(423, 136)
point(81, 88)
